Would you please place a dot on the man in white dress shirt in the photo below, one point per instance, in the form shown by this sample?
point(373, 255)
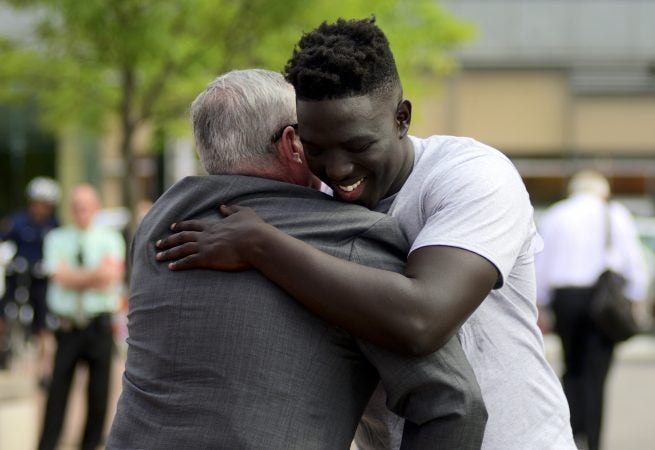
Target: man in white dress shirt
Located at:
point(574, 255)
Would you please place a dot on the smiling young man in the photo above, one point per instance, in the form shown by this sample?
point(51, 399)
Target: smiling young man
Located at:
point(462, 204)
point(229, 360)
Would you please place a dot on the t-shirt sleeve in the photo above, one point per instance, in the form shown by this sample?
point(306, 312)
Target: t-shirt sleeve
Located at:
point(478, 204)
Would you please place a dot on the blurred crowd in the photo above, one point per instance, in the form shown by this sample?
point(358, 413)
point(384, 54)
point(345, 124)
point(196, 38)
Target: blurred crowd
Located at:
point(64, 285)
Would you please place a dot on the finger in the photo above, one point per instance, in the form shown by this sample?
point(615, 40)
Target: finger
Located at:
point(188, 262)
point(229, 210)
point(177, 239)
point(179, 252)
point(188, 225)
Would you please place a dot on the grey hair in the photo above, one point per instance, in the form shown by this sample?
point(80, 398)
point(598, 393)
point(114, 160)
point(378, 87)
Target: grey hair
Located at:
point(235, 118)
point(589, 182)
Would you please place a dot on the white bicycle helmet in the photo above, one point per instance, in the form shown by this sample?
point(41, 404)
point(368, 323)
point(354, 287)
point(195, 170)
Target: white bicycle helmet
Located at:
point(43, 189)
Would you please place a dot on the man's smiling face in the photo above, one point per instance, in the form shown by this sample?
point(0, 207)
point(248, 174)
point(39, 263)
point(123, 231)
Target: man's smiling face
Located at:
point(356, 145)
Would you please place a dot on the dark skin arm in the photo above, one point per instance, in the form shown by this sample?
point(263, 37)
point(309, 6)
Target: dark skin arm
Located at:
point(415, 312)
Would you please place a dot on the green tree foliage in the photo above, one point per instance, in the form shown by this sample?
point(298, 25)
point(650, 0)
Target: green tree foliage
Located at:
point(143, 61)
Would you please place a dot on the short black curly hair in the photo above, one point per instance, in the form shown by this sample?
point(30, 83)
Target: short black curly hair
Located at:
point(345, 59)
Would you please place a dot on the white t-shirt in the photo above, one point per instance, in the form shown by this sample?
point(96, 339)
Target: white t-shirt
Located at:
point(462, 193)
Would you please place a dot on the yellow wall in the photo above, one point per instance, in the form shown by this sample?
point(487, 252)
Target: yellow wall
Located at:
point(534, 112)
point(517, 110)
point(615, 124)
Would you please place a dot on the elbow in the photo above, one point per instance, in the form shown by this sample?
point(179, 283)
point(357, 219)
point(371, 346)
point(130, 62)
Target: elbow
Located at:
point(423, 338)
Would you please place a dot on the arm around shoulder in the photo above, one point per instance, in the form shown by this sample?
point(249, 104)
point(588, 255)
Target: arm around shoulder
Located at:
point(415, 312)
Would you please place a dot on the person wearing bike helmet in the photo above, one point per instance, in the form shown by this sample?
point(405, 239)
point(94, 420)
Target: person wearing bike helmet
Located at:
point(24, 300)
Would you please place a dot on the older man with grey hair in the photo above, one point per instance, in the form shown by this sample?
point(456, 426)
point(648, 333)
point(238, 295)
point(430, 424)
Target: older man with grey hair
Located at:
point(227, 360)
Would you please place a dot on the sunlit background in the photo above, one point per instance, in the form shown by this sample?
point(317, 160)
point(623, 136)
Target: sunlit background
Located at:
point(99, 90)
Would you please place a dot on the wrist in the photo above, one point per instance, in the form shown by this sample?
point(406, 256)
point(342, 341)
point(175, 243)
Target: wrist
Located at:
point(257, 246)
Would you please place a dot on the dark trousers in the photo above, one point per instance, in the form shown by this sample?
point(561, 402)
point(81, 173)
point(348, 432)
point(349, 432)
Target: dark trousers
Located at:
point(587, 360)
point(92, 345)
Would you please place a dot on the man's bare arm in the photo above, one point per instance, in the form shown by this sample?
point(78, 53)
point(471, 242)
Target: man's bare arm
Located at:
point(415, 312)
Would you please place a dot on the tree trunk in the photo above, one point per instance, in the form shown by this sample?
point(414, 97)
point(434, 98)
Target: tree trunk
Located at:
point(131, 191)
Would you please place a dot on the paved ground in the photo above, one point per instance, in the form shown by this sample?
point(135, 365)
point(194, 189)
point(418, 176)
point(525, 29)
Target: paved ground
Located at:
point(628, 423)
point(630, 394)
point(22, 403)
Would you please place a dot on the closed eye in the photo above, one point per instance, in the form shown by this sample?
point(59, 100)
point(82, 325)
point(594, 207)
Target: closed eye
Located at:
point(362, 148)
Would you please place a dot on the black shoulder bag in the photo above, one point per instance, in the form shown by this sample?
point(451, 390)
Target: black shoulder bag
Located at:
point(609, 309)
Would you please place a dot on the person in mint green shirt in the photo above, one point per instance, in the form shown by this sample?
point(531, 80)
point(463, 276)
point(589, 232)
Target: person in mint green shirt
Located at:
point(86, 265)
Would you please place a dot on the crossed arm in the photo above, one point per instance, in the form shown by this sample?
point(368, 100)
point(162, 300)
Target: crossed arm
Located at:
point(108, 272)
point(415, 312)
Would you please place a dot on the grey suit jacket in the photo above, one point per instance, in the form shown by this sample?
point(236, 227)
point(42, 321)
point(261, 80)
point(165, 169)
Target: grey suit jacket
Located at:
point(220, 360)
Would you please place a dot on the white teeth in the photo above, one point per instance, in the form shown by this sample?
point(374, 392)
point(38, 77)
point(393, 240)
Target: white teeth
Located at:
point(351, 187)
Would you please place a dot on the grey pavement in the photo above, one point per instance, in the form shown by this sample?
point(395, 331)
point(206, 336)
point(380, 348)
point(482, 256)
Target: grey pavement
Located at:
point(22, 403)
point(628, 425)
point(629, 422)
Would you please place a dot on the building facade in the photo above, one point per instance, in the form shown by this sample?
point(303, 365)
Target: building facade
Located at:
point(556, 85)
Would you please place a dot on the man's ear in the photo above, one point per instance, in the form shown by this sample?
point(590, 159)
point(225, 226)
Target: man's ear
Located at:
point(289, 147)
point(403, 117)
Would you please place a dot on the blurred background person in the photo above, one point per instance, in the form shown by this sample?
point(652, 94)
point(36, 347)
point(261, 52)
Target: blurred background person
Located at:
point(86, 264)
point(573, 257)
point(26, 281)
